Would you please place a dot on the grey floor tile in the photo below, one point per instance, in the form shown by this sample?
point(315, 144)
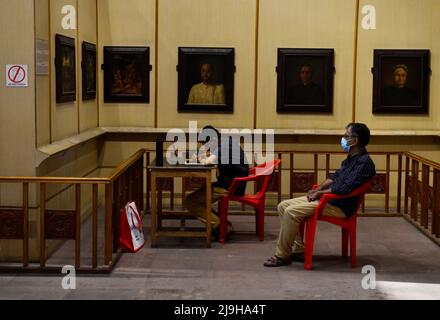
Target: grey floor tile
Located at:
point(402, 257)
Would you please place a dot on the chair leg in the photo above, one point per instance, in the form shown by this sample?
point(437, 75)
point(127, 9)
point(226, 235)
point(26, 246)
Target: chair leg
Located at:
point(301, 230)
point(260, 222)
point(353, 248)
point(344, 242)
point(310, 240)
point(223, 211)
point(257, 222)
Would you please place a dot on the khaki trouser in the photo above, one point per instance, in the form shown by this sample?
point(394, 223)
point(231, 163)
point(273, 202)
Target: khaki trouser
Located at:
point(292, 213)
point(196, 204)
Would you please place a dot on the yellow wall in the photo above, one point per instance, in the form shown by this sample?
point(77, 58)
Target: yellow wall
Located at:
point(401, 24)
point(281, 23)
point(17, 105)
point(200, 23)
point(59, 121)
point(236, 23)
point(306, 24)
point(30, 116)
point(88, 110)
point(42, 84)
point(64, 116)
point(126, 23)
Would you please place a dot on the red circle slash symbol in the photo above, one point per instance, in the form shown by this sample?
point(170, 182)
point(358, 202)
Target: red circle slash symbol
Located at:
point(16, 74)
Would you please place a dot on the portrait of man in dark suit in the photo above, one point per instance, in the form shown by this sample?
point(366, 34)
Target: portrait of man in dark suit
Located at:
point(305, 91)
point(305, 80)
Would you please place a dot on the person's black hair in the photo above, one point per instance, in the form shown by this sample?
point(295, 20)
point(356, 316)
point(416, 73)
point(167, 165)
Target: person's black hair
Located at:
point(360, 131)
point(209, 127)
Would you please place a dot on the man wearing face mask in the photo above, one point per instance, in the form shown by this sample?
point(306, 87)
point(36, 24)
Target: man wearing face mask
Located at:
point(355, 170)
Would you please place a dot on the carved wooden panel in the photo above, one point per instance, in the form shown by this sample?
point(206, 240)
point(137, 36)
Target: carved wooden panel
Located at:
point(378, 184)
point(302, 182)
point(11, 224)
point(274, 182)
point(60, 224)
point(193, 183)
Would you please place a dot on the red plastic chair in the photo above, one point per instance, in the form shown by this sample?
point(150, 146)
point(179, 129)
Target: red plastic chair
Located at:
point(262, 173)
point(348, 225)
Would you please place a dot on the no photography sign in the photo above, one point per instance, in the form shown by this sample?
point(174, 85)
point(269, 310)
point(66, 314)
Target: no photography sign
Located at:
point(16, 75)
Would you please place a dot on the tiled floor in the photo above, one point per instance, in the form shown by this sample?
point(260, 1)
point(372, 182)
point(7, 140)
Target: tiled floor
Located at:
point(407, 266)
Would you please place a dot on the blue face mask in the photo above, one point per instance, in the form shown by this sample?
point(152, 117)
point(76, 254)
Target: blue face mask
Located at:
point(344, 144)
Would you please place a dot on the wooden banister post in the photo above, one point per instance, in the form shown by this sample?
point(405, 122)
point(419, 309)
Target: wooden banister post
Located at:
point(387, 185)
point(78, 226)
point(94, 226)
point(406, 196)
point(108, 234)
point(42, 222)
point(415, 183)
point(25, 224)
point(425, 196)
point(399, 183)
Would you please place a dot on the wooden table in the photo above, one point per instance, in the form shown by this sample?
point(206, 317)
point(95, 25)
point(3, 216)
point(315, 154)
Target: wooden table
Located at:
point(178, 171)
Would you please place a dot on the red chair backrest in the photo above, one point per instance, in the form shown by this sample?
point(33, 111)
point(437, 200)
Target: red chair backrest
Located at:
point(266, 168)
point(264, 172)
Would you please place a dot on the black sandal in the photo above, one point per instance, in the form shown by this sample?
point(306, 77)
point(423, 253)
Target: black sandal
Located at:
point(297, 257)
point(277, 261)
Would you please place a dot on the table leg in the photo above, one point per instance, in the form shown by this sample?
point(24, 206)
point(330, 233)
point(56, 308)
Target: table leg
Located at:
point(208, 209)
point(153, 209)
point(159, 188)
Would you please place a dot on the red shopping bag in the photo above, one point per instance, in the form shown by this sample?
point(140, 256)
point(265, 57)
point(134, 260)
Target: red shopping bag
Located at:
point(131, 236)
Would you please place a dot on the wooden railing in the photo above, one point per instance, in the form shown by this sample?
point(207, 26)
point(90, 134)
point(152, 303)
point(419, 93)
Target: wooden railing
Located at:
point(125, 183)
point(422, 188)
point(301, 178)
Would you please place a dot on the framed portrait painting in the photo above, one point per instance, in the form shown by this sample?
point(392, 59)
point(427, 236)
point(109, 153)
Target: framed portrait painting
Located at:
point(206, 80)
point(127, 74)
point(401, 81)
point(65, 69)
point(88, 66)
point(305, 80)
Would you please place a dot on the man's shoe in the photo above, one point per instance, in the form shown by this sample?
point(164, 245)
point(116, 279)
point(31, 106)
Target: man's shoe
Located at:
point(297, 257)
point(230, 231)
point(277, 262)
point(215, 234)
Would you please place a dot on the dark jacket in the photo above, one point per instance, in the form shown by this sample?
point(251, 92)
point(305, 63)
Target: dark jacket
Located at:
point(354, 172)
point(231, 165)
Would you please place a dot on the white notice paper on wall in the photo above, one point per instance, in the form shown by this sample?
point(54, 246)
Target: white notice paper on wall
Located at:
point(42, 57)
point(16, 75)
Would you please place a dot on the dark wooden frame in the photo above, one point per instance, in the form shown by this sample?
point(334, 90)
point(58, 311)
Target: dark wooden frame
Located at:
point(185, 53)
point(60, 42)
point(289, 53)
point(144, 70)
point(88, 49)
point(424, 64)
